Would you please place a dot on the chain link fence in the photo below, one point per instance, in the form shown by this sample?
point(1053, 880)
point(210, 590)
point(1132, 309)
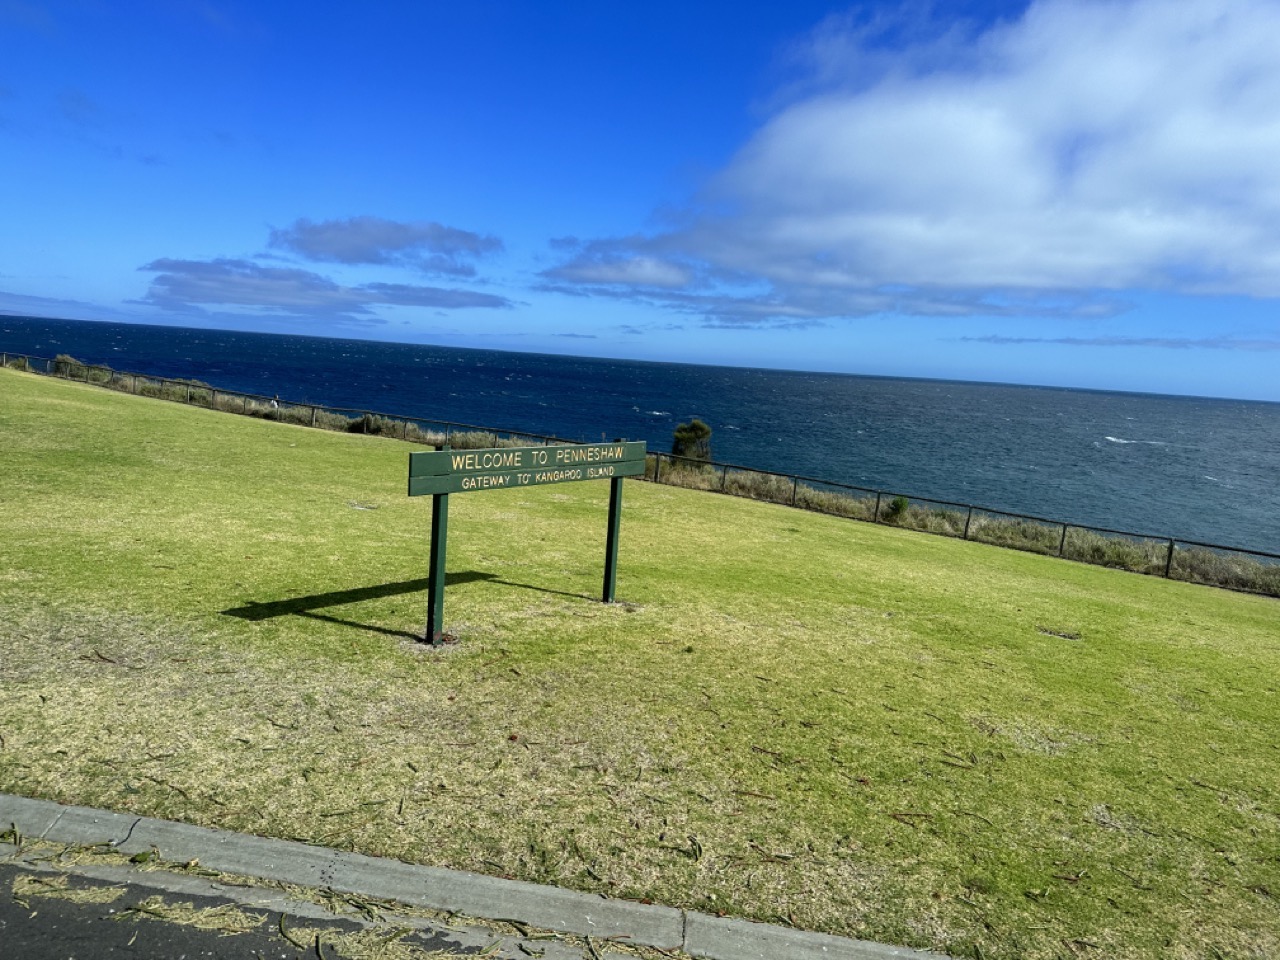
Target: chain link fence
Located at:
point(1235, 568)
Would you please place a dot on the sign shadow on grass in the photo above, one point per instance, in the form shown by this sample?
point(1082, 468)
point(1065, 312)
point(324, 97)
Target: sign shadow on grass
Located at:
point(306, 606)
point(530, 586)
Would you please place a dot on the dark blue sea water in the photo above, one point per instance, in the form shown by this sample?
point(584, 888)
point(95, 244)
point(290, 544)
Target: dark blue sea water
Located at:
point(1198, 469)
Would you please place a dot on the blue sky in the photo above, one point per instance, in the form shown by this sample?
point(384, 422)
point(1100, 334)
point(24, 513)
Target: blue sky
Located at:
point(1061, 192)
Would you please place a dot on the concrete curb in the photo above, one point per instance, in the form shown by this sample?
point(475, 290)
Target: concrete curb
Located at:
point(551, 908)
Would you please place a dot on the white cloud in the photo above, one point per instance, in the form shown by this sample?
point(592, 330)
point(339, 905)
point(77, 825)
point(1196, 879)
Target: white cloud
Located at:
point(1164, 343)
point(193, 285)
point(428, 246)
point(1046, 165)
point(621, 264)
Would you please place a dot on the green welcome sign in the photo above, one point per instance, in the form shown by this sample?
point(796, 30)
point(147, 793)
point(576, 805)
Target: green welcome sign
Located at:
point(438, 473)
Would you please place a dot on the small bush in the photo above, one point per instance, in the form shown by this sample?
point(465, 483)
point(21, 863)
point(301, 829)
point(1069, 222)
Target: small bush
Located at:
point(333, 421)
point(262, 409)
point(118, 381)
point(295, 415)
point(834, 503)
point(692, 440)
point(1121, 553)
point(69, 367)
point(146, 387)
point(373, 424)
point(419, 434)
point(1235, 571)
point(946, 523)
point(1015, 533)
point(760, 486)
point(895, 509)
point(17, 363)
point(472, 440)
point(693, 476)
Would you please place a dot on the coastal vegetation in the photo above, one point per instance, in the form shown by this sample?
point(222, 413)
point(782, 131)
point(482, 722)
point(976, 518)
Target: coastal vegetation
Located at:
point(847, 727)
point(692, 440)
point(1235, 570)
point(1232, 569)
point(1198, 563)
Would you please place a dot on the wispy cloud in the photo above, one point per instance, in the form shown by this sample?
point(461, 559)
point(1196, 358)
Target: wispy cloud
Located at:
point(430, 247)
point(192, 285)
point(1041, 167)
point(1165, 343)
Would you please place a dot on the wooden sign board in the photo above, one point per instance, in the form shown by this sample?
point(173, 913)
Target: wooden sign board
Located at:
point(438, 473)
point(458, 471)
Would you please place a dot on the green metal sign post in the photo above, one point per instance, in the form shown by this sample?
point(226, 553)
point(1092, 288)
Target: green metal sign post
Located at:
point(438, 473)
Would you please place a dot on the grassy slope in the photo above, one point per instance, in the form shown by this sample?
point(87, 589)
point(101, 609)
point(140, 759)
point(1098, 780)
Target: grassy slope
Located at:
point(854, 728)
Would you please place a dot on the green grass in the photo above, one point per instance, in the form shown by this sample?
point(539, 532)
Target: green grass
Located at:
point(855, 728)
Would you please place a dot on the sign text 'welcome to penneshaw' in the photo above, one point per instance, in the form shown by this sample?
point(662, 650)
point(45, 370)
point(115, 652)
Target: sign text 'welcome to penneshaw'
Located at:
point(457, 471)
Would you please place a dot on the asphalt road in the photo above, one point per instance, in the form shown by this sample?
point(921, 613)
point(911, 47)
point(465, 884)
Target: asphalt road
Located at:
point(39, 922)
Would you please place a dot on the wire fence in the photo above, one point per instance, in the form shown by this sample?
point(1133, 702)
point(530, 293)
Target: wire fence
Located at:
point(1233, 568)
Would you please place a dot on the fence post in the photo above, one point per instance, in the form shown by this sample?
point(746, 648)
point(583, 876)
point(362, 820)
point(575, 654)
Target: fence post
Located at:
point(1168, 563)
point(213, 399)
point(1063, 542)
point(967, 521)
point(795, 486)
point(314, 411)
point(875, 517)
point(724, 478)
point(133, 382)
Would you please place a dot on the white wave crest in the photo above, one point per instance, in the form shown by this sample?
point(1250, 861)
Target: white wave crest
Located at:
point(1150, 443)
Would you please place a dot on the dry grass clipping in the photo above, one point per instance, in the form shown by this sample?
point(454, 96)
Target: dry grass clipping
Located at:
point(27, 886)
point(224, 918)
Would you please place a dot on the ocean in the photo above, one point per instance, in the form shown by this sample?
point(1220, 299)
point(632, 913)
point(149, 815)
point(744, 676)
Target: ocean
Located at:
point(1191, 468)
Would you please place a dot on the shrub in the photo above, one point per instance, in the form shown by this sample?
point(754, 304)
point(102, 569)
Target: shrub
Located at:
point(836, 504)
point(374, 424)
point(896, 509)
point(472, 440)
point(332, 421)
point(695, 476)
point(68, 366)
point(1122, 553)
point(1016, 533)
point(419, 434)
point(760, 486)
point(1236, 571)
point(947, 523)
point(692, 440)
point(294, 414)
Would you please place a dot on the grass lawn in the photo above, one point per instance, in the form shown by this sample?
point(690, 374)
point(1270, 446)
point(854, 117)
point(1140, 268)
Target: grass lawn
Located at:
point(790, 717)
